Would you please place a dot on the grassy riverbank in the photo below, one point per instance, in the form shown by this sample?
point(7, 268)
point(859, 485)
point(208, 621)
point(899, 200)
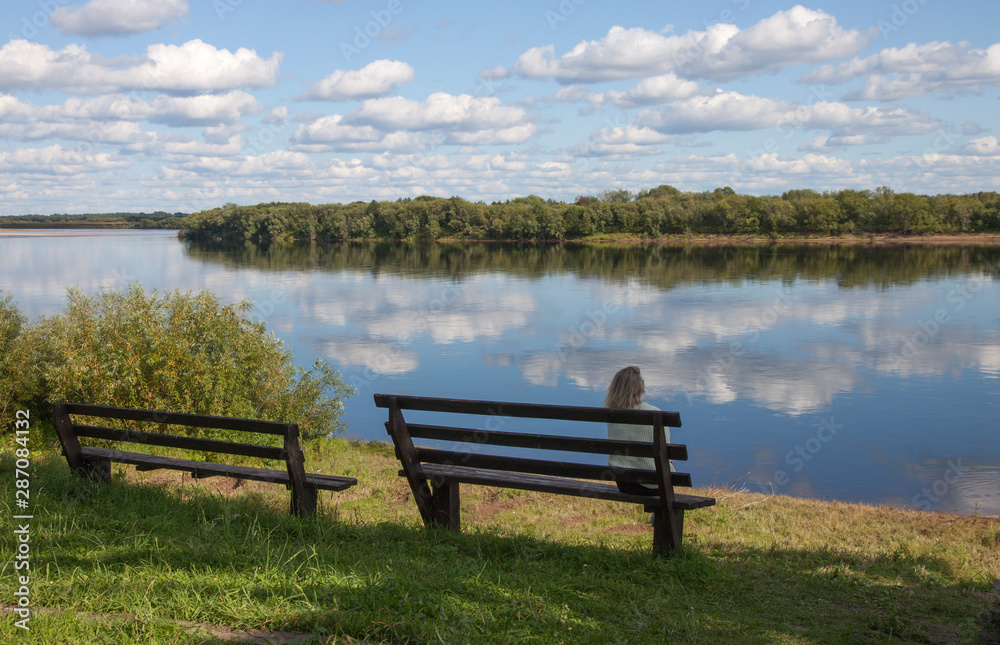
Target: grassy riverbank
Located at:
point(127, 563)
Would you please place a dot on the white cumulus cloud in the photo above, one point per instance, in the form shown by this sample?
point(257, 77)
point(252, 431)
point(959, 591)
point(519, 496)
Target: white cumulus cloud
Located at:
point(916, 70)
point(732, 111)
point(983, 147)
point(192, 67)
point(461, 112)
point(117, 17)
point(824, 143)
point(721, 52)
point(720, 111)
point(118, 132)
point(330, 133)
point(374, 79)
point(204, 109)
point(629, 140)
point(650, 91)
point(57, 160)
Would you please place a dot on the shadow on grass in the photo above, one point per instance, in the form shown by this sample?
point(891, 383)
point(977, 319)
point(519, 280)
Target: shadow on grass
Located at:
point(243, 563)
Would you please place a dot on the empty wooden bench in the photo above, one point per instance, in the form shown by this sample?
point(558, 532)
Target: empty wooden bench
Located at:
point(434, 474)
point(96, 461)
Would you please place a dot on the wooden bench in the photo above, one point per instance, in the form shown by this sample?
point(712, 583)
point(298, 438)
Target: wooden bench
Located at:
point(96, 461)
point(434, 474)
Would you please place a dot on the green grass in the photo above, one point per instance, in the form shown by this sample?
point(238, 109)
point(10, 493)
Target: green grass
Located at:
point(150, 551)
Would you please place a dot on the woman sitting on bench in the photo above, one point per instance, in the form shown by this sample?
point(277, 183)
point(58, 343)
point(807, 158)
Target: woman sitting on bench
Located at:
point(626, 392)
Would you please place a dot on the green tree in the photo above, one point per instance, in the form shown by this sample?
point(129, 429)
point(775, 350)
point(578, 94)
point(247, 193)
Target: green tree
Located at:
point(472, 219)
point(911, 213)
point(882, 206)
point(987, 217)
point(858, 208)
point(662, 191)
point(382, 220)
point(360, 224)
point(774, 215)
point(331, 223)
point(820, 215)
point(616, 196)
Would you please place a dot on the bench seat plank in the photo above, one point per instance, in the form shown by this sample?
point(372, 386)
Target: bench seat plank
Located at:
point(331, 482)
point(558, 485)
point(201, 469)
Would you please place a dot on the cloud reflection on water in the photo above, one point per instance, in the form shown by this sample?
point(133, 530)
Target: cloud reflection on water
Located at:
point(719, 344)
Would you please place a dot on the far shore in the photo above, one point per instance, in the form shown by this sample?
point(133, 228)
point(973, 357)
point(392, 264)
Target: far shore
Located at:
point(962, 239)
point(884, 239)
point(64, 232)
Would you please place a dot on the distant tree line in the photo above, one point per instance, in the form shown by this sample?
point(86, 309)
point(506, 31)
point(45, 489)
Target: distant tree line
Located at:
point(658, 212)
point(154, 220)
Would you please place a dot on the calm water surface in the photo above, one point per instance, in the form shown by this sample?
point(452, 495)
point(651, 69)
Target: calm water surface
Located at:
point(841, 372)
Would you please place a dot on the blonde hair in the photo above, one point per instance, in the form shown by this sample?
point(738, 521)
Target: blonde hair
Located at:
point(626, 390)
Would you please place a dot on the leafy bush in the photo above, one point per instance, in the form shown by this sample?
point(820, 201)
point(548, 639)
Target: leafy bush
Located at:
point(181, 352)
point(11, 370)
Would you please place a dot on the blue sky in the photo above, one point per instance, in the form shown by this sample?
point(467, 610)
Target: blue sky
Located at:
point(139, 105)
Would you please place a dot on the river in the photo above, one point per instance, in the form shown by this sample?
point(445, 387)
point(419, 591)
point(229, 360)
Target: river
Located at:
point(852, 372)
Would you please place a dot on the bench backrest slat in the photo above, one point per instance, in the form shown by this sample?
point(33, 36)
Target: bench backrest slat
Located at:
point(177, 418)
point(532, 410)
point(544, 442)
point(544, 467)
point(175, 441)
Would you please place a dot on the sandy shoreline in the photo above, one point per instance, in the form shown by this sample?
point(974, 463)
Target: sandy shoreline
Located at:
point(966, 239)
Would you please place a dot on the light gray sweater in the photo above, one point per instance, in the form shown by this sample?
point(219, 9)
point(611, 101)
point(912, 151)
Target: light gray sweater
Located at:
point(633, 432)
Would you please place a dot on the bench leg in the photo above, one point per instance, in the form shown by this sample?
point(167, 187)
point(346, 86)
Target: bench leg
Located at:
point(304, 503)
point(445, 508)
point(98, 469)
point(668, 527)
